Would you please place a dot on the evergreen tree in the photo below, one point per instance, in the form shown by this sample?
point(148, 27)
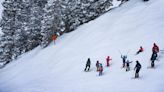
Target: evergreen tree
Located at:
point(52, 23)
point(8, 26)
point(33, 28)
point(21, 20)
point(78, 12)
point(28, 23)
point(66, 15)
point(21, 25)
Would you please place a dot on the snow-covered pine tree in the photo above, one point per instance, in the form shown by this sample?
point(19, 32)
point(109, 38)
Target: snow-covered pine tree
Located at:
point(21, 25)
point(8, 26)
point(78, 12)
point(91, 9)
point(33, 28)
point(70, 14)
point(52, 23)
point(66, 15)
point(21, 20)
point(27, 23)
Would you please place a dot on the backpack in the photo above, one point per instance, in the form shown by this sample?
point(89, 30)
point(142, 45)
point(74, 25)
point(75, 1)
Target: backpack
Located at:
point(100, 68)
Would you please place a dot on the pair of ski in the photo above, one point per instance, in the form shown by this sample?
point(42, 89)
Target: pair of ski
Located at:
point(136, 78)
point(149, 67)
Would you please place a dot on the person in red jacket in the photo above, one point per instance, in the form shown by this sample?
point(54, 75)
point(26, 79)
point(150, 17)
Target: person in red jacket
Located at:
point(108, 61)
point(54, 37)
point(140, 50)
point(155, 48)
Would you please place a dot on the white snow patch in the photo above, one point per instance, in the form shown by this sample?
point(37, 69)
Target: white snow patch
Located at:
point(59, 67)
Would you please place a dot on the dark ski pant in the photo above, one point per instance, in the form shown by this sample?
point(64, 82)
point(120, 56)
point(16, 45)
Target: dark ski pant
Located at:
point(107, 63)
point(152, 63)
point(87, 67)
point(100, 73)
point(127, 68)
point(123, 65)
point(137, 73)
point(138, 52)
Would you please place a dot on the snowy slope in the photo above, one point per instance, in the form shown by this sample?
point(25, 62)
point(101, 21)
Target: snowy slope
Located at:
point(59, 67)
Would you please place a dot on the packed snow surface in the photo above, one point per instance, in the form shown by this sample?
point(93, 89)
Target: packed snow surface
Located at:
point(60, 67)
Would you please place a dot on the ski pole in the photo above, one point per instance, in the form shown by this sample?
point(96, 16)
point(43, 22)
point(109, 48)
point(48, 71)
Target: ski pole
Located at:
point(128, 52)
point(134, 72)
point(119, 52)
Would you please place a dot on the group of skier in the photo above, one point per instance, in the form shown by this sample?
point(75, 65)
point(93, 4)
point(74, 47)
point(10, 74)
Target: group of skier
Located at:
point(99, 66)
point(126, 63)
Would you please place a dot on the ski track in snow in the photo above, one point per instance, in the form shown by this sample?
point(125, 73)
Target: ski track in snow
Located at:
point(60, 67)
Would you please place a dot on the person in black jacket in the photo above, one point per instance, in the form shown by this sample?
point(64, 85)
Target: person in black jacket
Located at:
point(137, 69)
point(97, 65)
point(88, 64)
point(153, 58)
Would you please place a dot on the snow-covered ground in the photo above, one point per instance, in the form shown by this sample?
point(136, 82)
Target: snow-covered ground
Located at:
point(59, 67)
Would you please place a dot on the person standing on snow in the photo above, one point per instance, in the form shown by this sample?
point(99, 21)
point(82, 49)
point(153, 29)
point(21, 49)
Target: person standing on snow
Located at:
point(155, 51)
point(137, 69)
point(97, 65)
point(108, 61)
point(54, 37)
point(128, 65)
point(140, 50)
point(88, 64)
point(153, 58)
point(100, 69)
point(124, 57)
